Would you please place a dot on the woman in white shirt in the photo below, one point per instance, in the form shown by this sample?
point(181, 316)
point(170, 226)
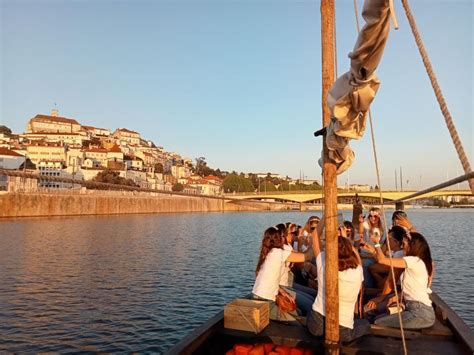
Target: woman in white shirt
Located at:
point(271, 265)
point(371, 226)
point(350, 281)
point(416, 278)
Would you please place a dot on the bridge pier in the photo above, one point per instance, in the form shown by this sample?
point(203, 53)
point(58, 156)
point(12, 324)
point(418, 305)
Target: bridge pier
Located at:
point(400, 205)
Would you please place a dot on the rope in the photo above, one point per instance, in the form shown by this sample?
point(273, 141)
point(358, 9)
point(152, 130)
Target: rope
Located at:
point(255, 330)
point(439, 95)
point(384, 218)
point(438, 187)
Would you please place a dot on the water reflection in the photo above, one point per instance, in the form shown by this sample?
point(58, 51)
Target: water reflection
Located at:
point(140, 283)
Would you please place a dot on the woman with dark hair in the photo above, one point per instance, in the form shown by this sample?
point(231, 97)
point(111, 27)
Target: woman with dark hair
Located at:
point(350, 281)
point(271, 265)
point(417, 268)
point(395, 238)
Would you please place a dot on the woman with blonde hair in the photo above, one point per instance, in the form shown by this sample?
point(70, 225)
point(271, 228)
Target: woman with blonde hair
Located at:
point(367, 228)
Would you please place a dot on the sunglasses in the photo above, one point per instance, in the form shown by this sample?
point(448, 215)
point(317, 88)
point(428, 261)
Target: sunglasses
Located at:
point(294, 233)
point(312, 228)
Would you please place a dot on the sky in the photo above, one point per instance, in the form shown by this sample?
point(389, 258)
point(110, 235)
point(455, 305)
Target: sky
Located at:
point(238, 81)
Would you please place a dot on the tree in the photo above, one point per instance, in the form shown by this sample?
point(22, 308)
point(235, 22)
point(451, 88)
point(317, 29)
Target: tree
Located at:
point(177, 187)
point(113, 177)
point(236, 183)
point(267, 186)
point(159, 168)
point(5, 130)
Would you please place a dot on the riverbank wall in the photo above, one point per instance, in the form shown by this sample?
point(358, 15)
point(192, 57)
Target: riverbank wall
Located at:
point(116, 202)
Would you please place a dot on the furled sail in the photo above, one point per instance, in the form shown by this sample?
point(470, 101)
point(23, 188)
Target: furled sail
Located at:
point(351, 95)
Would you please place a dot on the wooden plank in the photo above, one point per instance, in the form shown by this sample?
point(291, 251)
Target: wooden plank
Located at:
point(459, 327)
point(438, 330)
point(195, 339)
point(393, 332)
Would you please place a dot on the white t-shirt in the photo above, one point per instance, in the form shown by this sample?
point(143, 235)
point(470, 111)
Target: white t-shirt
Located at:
point(350, 281)
point(268, 278)
point(285, 270)
point(415, 281)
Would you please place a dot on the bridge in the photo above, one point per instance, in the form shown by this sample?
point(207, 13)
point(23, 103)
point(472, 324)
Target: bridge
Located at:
point(372, 197)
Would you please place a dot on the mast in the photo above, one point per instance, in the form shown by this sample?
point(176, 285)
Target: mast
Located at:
point(330, 184)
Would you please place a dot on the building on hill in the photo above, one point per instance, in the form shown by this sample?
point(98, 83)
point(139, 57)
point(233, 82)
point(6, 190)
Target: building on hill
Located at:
point(46, 152)
point(95, 131)
point(95, 157)
point(67, 138)
point(209, 185)
point(126, 136)
point(10, 159)
point(52, 124)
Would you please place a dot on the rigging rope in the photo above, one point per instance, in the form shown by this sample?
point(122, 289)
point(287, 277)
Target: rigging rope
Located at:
point(384, 218)
point(439, 95)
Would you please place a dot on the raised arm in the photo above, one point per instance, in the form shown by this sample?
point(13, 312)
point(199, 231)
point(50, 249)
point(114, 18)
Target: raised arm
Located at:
point(398, 263)
point(297, 257)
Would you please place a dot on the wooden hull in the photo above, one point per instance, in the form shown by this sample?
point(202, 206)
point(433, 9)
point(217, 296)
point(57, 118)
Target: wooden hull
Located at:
point(450, 335)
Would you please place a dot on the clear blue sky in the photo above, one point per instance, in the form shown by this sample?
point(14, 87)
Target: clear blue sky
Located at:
point(237, 82)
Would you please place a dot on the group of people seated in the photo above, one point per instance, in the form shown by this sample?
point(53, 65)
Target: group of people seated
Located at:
point(292, 264)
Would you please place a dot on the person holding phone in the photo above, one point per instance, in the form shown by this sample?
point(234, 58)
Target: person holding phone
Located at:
point(417, 267)
point(368, 228)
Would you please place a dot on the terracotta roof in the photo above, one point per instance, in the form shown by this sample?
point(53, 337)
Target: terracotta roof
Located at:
point(127, 130)
point(6, 151)
point(95, 150)
point(115, 149)
point(54, 119)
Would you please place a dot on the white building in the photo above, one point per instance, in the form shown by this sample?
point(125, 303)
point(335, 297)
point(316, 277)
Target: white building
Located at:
point(10, 159)
point(46, 151)
point(55, 124)
point(126, 136)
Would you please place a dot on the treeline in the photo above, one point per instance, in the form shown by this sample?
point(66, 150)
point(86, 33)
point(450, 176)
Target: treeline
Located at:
point(235, 182)
point(240, 182)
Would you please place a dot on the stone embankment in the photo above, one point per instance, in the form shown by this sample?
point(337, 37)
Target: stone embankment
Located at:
point(115, 202)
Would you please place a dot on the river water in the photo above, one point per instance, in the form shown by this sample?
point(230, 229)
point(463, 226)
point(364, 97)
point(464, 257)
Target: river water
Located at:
point(142, 282)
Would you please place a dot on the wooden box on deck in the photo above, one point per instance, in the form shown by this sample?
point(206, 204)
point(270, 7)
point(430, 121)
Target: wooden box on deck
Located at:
point(247, 315)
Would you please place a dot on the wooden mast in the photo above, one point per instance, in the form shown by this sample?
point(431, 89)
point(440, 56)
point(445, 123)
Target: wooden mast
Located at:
point(330, 184)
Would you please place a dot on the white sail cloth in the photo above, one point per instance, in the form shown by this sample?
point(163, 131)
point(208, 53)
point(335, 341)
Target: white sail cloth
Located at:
point(351, 95)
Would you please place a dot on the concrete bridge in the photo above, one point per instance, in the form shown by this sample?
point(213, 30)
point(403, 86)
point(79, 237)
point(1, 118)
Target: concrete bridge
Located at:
point(372, 197)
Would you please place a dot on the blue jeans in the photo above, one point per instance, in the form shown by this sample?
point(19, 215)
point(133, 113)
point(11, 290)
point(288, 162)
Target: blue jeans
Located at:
point(416, 316)
point(304, 301)
point(369, 281)
point(316, 324)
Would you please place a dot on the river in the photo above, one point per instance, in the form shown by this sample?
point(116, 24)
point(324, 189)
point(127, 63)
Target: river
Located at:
point(142, 282)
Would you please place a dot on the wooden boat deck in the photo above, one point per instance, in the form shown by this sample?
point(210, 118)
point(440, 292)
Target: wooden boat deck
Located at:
point(449, 335)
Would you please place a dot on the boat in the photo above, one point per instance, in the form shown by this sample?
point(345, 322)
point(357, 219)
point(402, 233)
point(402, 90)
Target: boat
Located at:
point(450, 334)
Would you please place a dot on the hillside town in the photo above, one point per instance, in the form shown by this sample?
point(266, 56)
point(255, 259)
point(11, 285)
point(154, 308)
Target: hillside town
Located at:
point(61, 147)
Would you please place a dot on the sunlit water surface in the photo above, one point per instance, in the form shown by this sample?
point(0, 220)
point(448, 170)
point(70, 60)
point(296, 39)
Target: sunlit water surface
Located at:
point(142, 282)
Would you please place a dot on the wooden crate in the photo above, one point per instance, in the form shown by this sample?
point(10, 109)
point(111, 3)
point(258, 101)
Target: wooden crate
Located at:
point(247, 315)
